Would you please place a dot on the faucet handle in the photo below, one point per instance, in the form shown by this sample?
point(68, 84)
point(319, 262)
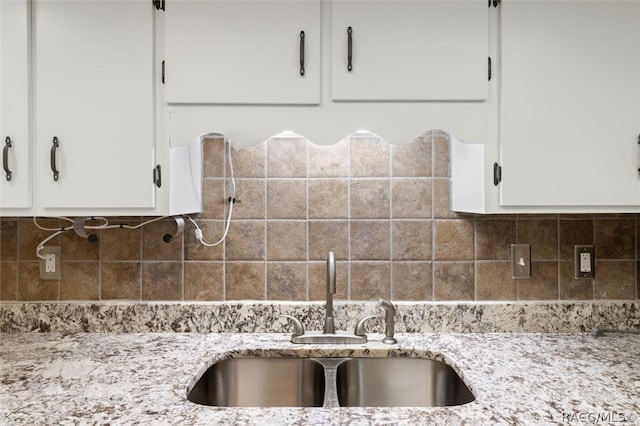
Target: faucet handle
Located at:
point(298, 328)
point(360, 329)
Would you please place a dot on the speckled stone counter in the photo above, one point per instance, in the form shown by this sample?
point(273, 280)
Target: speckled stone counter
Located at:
point(142, 378)
point(264, 317)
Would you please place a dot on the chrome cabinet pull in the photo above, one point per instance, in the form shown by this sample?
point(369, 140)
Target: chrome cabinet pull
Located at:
point(302, 53)
point(5, 158)
point(54, 169)
point(349, 48)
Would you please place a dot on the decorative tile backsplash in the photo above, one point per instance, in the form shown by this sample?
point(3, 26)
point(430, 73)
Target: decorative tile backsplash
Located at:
point(383, 209)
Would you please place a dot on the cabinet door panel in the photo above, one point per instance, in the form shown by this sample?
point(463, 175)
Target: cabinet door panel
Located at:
point(570, 112)
point(410, 50)
point(94, 92)
point(15, 191)
point(242, 52)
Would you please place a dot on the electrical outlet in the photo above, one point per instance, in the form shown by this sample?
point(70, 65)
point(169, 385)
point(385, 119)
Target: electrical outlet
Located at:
point(51, 265)
point(521, 260)
point(585, 261)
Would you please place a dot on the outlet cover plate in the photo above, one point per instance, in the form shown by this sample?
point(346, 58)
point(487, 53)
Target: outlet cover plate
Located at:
point(521, 260)
point(56, 274)
point(585, 262)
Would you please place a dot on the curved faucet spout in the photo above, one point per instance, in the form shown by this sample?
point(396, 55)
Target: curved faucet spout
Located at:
point(329, 324)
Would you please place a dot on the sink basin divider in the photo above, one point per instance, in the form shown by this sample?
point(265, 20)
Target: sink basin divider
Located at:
point(330, 389)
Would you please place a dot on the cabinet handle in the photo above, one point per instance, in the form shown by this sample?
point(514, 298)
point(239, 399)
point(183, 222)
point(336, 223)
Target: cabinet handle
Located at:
point(54, 169)
point(5, 157)
point(302, 53)
point(349, 48)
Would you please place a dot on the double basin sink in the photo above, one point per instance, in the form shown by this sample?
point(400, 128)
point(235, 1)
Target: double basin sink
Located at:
point(330, 382)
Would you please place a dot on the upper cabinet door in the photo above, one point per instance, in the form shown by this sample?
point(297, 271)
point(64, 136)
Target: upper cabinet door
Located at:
point(410, 50)
point(570, 103)
point(15, 142)
point(243, 52)
point(94, 93)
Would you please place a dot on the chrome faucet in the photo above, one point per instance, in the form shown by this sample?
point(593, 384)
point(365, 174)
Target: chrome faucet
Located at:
point(329, 333)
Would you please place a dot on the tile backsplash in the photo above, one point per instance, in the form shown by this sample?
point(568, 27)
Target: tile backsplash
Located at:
point(382, 208)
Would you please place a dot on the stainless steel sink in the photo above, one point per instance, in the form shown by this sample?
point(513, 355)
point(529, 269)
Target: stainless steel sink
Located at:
point(261, 382)
point(330, 382)
point(399, 382)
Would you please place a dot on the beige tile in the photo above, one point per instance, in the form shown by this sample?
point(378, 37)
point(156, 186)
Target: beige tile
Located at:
point(251, 194)
point(453, 239)
point(287, 199)
point(412, 159)
point(411, 198)
point(328, 160)
point(9, 281)
point(441, 166)
point(370, 157)
point(543, 284)
point(318, 280)
point(571, 288)
point(494, 238)
point(245, 280)
point(286, 281)
point(212, 232)
point(249, 161)
point(161, 281)
point(286, 240)
point(614, 238)
point(31, 287)
point(121, 243)
point(412, 281)
point(8, 239)
point(214, 199)
point(441, 200)
point(287, 157)
point(80, 281)
point(246, 240)
point(153, 245)
point(574, 232)
point(453, 281)
point(326, 236)
point(204, 281)
point(494, 282)
point(638, 280)
point(615, 280)
point(75, 247)
point(412, 239)
point(370, 240)
point(328, 199)
point(214, 154)
point(370, 280)
point(370, 199)
point(542, 234)
point(30, 236)
point(121, 280)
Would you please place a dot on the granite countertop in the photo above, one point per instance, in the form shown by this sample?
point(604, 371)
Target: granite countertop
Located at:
point(142, 378)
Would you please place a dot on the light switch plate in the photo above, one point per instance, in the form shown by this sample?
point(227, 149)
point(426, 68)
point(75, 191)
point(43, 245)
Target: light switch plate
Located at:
point(521, 260)
point(585, 261)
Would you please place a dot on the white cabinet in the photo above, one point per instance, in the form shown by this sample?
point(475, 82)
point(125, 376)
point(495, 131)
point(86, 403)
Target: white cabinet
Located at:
point(410, 50)
point(569, 121)
point(86, 75)
point(243, 52)
point(94, 94)
point(15, 141)
point(570, 104)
